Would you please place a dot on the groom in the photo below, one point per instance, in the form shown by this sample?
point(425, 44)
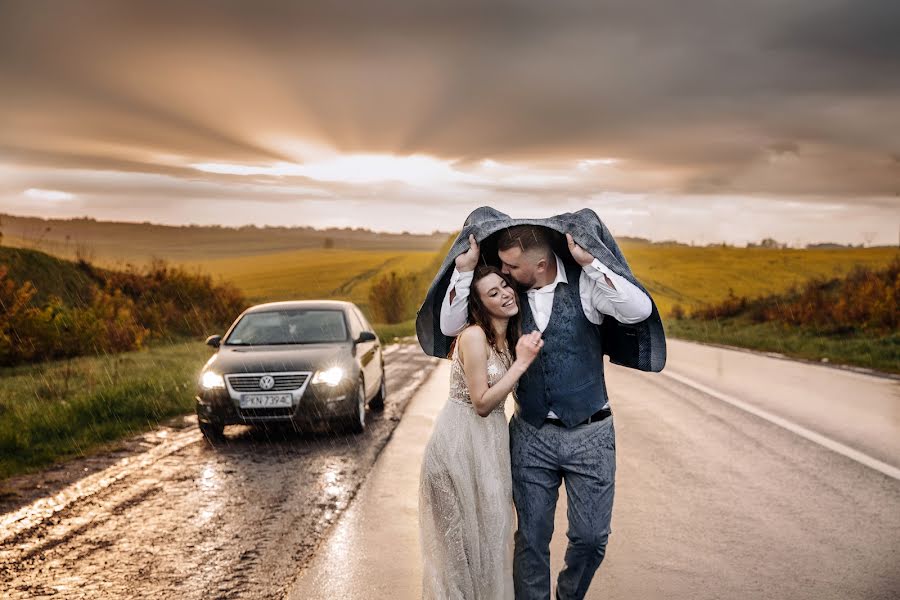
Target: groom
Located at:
point(562, 430)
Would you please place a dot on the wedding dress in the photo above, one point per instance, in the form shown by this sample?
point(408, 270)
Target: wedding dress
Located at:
point(465, 497)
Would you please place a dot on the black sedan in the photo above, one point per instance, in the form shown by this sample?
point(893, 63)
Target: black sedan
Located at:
point(304, 363)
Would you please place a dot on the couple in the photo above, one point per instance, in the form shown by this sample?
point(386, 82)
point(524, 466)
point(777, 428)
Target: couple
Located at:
point(532, 326)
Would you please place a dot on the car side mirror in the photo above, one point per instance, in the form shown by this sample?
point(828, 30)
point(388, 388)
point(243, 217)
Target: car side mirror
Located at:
point(214, 341)
point(366, 336)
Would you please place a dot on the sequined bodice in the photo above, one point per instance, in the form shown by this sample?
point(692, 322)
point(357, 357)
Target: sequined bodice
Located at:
point(497, 364)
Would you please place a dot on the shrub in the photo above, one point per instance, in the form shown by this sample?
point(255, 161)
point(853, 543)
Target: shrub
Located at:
point(125, 309)
point(864, 300)
point(392, 297)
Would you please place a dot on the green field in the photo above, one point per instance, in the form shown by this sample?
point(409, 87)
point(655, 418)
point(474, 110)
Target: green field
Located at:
point(278, 263)
point(880, 353)
point(692, 276)
point(689, 276)
point(307, 274)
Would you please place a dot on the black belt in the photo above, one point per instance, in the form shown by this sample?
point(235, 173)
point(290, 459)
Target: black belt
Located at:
point(597, 416)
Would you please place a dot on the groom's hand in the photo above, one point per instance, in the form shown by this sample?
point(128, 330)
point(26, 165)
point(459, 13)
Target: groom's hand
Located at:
point(468, 260)
point(581, 256)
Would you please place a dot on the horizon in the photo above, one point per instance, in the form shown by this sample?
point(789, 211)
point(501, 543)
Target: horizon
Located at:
point(434, 233)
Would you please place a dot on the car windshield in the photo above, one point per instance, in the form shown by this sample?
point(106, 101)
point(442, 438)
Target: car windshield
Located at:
point(289, 326)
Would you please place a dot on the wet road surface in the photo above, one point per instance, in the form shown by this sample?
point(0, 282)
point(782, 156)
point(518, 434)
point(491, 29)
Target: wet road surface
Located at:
point(189, 520)
point(712, 501)
point(850, 407)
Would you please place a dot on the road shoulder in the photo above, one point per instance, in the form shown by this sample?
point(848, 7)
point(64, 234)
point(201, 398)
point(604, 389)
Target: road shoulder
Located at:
point(373, 551)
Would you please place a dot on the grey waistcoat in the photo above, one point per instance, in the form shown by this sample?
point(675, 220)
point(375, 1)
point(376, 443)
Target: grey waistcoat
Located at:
point(567, 376)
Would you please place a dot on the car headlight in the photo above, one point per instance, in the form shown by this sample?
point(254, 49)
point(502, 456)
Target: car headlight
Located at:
point(332, 376)
point(211, 380)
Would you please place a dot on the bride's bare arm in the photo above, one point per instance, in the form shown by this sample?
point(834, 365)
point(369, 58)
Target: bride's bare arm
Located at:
point(473, 353)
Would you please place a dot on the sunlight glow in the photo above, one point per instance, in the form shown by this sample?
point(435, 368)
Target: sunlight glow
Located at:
point(588, 163)
point(353, 168)
point(53, 195)
point(415, 170)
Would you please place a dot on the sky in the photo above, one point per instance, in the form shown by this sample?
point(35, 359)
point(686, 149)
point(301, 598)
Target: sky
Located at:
point(698, 120)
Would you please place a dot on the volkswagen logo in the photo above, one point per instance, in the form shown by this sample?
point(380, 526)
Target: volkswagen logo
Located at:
point(266, 382)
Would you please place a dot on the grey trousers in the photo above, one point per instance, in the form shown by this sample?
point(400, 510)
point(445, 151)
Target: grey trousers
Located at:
point(585, 458)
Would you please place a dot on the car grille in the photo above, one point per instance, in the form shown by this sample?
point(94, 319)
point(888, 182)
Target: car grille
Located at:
point(265, 413)
point(283, 383)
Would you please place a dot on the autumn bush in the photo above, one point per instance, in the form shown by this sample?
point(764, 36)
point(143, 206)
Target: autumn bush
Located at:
point(173, 301)
point(393, 297)
point(865, 299)
point(124, 310)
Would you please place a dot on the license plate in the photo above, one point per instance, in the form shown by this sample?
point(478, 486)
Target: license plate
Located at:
point(266, 401)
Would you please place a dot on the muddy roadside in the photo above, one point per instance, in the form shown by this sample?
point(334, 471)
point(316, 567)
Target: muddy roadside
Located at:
point(237, 519)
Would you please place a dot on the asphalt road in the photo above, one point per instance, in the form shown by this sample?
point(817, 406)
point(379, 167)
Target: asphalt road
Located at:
point(713, 501)
point(719, 495)
point(739, 476)
point(184, 519)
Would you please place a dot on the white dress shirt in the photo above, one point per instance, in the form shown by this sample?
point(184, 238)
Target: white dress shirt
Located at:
point(625, 302)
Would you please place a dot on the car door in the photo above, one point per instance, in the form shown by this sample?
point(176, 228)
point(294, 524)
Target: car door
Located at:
point(374, 372)
point(366, 352)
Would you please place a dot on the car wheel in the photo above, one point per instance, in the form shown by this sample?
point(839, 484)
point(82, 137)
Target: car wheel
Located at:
point(357, 421)
point(377, 403)
point(213, 432)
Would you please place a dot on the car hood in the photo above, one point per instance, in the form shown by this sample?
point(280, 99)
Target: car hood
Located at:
point(268, 359)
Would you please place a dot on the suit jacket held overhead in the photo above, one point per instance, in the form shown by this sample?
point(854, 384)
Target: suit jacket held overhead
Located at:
point(640, 346)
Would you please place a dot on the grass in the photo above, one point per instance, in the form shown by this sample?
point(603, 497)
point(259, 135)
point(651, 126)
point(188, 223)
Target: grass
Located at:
point(881, 353)
point(692, 276)
point(58, 410)
point(390, 333)
point(62, 409)
point(308, 274)
point(49, 274)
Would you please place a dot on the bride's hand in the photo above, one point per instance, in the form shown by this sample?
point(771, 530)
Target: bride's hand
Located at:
point(528, 347)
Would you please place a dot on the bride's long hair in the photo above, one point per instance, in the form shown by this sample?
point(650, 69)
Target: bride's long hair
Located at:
point(478, 314)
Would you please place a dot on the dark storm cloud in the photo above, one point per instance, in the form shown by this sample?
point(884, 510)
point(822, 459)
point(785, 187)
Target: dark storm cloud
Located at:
point(773, 96)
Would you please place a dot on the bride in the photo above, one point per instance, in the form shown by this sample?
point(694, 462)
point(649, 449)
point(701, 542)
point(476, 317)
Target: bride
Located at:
point(465, 489)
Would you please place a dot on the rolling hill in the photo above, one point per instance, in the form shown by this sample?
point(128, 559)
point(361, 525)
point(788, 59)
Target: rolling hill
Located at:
point(113, 244)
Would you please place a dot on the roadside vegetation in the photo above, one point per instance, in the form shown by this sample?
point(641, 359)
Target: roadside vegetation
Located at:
point(66, 408)
point(89, 356)
point(850, 320)
point(694, 276)
point(101, 311)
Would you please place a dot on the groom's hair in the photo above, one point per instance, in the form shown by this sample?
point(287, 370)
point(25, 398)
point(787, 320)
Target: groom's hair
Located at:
point(533, 238)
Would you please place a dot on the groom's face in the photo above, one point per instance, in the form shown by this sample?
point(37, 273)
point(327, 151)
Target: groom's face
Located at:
point(519, 265)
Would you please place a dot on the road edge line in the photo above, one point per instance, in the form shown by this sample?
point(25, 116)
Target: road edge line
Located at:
point(826, 442)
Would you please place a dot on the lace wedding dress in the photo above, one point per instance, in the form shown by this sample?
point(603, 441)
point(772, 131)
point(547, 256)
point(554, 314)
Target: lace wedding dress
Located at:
point(465, 497)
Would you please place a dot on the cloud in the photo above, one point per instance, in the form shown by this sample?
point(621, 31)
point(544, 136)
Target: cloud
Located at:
point(796, 99)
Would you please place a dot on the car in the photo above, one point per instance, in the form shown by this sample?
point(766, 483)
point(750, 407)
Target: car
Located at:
point(307, 363)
